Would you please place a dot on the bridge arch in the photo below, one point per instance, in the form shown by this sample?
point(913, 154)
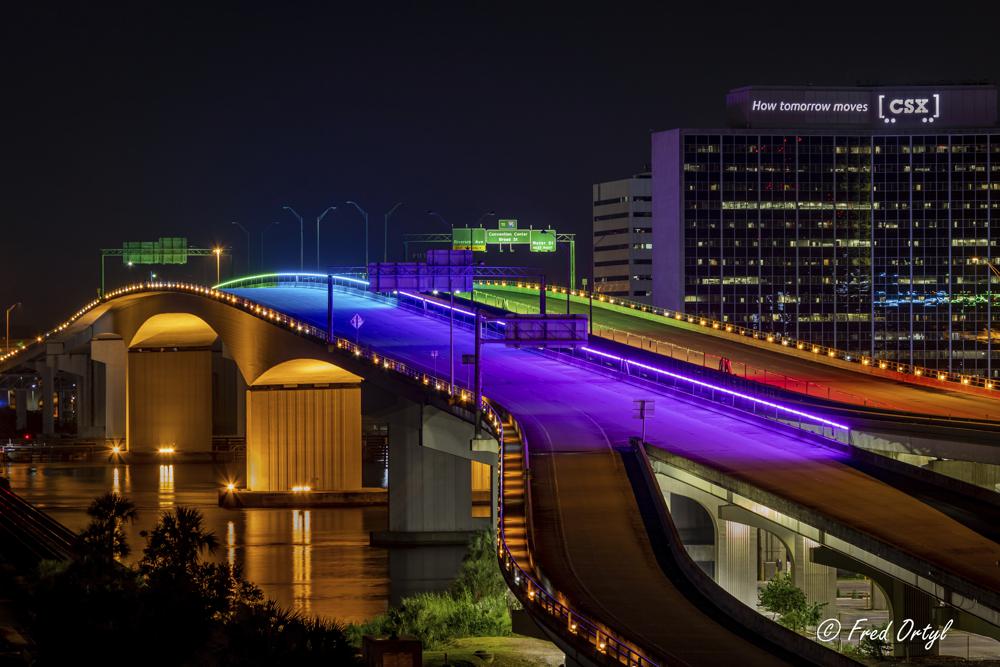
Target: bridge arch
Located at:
point(167, 330)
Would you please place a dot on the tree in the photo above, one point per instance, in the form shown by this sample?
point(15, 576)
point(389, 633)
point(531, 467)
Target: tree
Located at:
point(176, 543)
point(105, 537)
point(780, 596)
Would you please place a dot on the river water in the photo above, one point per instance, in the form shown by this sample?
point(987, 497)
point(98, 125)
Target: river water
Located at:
point(316, 561)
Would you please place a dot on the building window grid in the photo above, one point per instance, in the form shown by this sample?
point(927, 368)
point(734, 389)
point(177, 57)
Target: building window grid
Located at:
point(860, 267)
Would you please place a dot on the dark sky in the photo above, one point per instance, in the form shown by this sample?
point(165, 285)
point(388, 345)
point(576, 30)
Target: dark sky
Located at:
point(176, 118)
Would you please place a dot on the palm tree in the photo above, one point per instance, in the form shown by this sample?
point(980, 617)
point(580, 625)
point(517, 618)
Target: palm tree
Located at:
point(177, 541)
point(105, 537)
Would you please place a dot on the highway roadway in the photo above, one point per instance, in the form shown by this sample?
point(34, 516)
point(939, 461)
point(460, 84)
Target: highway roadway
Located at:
point(845, 385)
point(593, 546)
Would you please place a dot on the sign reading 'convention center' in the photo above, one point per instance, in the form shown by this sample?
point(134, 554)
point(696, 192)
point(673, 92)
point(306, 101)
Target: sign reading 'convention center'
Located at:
point(924, 107)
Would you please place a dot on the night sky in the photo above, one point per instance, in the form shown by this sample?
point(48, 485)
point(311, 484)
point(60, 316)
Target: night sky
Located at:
point(177, 118)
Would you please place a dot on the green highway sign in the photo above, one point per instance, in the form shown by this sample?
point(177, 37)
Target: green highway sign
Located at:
point(466, 238)
point(166, 250)
point(506, 224)
point(543, 240)
point(497, 236)
point(477, 238)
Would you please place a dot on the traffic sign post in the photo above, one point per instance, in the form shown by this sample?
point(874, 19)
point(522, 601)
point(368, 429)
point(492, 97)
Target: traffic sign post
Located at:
point(356, 322)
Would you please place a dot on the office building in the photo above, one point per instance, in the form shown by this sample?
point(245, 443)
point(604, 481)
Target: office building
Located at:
point(623, 238)
point(857, 218)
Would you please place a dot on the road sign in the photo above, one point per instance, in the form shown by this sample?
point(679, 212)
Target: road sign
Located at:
point(506, 224)
point(357, 321)
point(466, 238)
point(543, 240)
point(468, 359)
point(478, 238)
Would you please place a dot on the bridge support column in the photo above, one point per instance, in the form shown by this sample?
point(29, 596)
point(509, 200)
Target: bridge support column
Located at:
point(108, 395)
point(48, 386)
point(906, 602)
point(21, 419)
point(430, 475)
point(170, 400)
point(429, 491)
point(304, 436)
point(736, 561)
point(730, 546)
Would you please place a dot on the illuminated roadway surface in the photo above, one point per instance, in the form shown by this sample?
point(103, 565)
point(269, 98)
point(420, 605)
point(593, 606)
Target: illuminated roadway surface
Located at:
point(897, 395)
point(592, 544)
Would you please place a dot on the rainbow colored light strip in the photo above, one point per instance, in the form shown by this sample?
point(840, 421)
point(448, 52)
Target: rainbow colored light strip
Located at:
point(754, 399)
point(288, 274)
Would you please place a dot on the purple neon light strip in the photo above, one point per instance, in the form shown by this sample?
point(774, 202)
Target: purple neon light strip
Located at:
point(443, 305)
point(661, 371)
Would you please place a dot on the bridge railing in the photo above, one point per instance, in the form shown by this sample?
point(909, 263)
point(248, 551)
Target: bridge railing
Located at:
point(872, 364)
point(725, 396)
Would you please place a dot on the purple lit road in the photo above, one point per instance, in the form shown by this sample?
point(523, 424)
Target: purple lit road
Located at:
point(593, 546)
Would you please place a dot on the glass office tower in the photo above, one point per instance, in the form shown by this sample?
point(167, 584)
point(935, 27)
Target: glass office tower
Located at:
point(859, 225)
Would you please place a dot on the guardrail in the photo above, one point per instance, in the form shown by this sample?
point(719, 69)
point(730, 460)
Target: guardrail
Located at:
point(906, 372)
point(724, 396)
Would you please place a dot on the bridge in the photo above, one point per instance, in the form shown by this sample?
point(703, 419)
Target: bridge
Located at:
point(589, 520)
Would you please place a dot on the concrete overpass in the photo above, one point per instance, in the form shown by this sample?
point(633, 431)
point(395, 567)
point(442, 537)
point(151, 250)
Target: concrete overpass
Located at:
point(574, 540)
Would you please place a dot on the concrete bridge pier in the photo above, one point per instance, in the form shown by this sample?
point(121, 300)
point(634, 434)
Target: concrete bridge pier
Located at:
point(430, 474)
point(21, 414)
point(304, 435)
point(817, 581)
point(110, 367)
point(727, 550)
point(905, 602)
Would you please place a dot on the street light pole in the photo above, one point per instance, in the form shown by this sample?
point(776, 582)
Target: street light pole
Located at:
point(6, 340)
point(247, 232)
point(385, 240)
point(218, 259)
point(321, 216)
point(364, 214)
point(439, 217)
point(302, 237)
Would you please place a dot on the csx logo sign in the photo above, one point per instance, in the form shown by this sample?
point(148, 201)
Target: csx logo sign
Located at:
point(928, 108)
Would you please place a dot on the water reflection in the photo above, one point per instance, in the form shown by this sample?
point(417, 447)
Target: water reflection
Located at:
point(166, 486)
point(317, 561)
point(301, 560)
point(231, 543)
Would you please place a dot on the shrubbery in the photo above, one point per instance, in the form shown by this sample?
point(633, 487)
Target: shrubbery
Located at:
point(788, 601)
point(475, 606)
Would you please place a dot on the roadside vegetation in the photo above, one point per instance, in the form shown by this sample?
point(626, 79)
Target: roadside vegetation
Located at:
point(476, 605)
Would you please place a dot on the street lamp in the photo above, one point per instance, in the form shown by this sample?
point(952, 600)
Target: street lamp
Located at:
point(486, 215)
point(321, 216)
point(247, 232)
point(218, 258)
point(385, 241)
point(6, 340)
point(439, 217)
point(302, 236)
point(364, 214)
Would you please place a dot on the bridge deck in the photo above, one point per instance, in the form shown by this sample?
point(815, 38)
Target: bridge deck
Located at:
point(844, 385)
point(573, 417)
